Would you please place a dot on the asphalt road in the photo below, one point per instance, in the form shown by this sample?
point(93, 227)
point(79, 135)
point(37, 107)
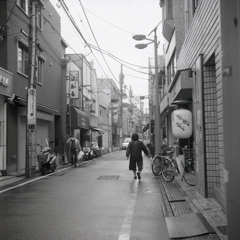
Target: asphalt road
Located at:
point(98, 200)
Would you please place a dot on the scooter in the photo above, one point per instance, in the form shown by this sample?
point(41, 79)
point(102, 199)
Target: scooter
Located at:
point(47, 159)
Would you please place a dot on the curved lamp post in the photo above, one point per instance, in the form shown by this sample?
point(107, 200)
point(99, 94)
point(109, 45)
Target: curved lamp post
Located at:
point(157, 120)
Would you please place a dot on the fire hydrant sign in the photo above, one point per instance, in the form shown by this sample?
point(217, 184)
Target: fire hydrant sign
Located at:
point(31, 108)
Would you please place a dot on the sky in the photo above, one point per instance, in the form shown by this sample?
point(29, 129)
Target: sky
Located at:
point(110, 26)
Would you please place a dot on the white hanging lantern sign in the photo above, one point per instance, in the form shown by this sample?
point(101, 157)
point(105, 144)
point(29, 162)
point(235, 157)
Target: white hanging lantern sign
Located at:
point(182, 123)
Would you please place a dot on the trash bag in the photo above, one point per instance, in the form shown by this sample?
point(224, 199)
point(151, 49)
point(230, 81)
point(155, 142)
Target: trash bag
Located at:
point(81, 155)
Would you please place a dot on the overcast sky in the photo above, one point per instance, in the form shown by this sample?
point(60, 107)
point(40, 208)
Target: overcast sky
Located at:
point(113, 23)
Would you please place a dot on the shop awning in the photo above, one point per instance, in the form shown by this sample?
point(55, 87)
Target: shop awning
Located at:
point(97, 129)
point(79, 118)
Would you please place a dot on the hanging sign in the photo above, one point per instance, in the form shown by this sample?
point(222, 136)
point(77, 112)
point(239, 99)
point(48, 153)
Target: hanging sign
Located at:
point(182, 123)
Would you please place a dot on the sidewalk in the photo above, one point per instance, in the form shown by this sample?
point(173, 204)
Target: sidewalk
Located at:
point(184, 204)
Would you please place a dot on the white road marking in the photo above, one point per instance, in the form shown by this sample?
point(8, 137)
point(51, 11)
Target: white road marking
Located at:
point(127, 222)
point(33, 180)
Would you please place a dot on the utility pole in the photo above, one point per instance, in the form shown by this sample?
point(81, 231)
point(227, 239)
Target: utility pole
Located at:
point(121, 81)
point(31, 152)
point(157, 120)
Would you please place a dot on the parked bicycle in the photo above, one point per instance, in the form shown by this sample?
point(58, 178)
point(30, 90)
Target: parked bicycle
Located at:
point(168, 166)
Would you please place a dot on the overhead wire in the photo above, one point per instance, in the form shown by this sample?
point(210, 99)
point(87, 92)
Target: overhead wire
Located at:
point(96, 41)
point(73, 22)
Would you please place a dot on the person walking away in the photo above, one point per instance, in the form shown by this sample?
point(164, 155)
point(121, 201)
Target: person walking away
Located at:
point(74, 148)
point(134, 150)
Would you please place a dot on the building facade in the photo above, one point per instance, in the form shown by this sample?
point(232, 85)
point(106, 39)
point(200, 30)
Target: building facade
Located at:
point(106, 85)
point(194, 73)
point(49, 80)
point(82, 100)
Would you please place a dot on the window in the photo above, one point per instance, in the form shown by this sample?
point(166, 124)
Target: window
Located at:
point(23, 4)
point(39, 74)
point(23, 65)
point(39, 18)
point(171, 68)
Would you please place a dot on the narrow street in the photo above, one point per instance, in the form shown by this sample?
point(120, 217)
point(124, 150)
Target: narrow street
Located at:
point(98, 199)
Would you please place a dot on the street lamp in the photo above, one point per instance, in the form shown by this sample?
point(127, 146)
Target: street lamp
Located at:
point(157, 121)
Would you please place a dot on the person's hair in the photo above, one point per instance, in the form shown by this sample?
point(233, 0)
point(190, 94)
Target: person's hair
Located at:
point(135, 137)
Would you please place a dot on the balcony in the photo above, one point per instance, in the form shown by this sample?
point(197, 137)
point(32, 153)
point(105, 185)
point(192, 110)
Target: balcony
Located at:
point(181, 86)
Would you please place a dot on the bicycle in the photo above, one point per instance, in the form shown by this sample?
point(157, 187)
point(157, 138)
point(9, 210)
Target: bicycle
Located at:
point(156, 160)
point(166, 165)
point(162, 165)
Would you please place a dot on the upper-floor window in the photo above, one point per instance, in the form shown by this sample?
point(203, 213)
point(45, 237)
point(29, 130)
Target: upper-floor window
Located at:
point(23, 65)
point(171, 68)
point(40, 64)
point(39, 17)
point(23, 4)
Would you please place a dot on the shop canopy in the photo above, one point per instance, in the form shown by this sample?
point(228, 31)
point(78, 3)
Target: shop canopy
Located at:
point(78, 118)
point(101, 131)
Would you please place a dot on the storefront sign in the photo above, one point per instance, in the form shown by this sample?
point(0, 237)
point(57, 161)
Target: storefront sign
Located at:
point(5, 82)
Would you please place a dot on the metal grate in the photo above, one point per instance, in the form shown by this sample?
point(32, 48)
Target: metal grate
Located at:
point(108, 177)
point(173, 192)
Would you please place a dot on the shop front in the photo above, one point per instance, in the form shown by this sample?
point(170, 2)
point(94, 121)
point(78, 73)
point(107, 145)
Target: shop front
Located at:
point(78, 125)
point(6, 97)
point(16, 132)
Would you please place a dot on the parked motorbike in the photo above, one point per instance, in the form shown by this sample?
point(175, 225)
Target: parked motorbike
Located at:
point(47, 159)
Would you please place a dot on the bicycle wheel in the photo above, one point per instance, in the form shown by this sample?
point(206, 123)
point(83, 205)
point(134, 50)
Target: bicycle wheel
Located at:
point(156, 166)
point(189, 172)
point(168, 170)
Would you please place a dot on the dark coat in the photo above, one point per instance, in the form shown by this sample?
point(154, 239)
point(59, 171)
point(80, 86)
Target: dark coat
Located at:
point(134, 150)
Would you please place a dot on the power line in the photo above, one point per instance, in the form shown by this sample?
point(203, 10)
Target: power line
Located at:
point(96, 40)
point(109, 22)
point(74, 24)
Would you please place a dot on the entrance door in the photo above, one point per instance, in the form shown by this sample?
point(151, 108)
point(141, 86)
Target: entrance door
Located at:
point(199, 137)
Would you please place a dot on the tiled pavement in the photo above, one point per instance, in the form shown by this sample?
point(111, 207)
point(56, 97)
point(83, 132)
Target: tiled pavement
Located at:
point(183, 200)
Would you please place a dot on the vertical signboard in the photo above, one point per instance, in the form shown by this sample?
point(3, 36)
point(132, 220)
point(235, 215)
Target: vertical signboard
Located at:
point(115, 112)
point(73, 83)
